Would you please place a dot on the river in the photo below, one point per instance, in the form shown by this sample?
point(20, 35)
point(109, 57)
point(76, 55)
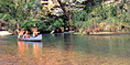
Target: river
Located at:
point(67, 49)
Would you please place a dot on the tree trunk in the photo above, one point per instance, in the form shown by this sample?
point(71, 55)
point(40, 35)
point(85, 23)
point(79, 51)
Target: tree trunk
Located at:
point(63, 9)
point(70, 21)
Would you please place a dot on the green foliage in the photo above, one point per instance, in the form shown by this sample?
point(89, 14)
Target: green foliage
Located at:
point(18, 10)
point(112, 15)
point(53, 24)
point(30, 23)
point(79, 15)
point(22, 12)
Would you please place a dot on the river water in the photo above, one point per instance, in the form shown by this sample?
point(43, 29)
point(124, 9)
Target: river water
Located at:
point(67, 49)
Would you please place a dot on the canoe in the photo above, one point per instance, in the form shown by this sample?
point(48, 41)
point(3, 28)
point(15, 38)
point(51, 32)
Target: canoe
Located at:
point(38, 38)
point(31, 42)
point(4, 33)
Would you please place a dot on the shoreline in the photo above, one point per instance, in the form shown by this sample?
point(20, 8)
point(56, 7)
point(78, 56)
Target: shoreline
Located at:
point(98, 33)
point(72, 32)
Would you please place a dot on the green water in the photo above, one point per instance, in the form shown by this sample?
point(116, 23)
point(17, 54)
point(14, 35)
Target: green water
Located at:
point(67, 49)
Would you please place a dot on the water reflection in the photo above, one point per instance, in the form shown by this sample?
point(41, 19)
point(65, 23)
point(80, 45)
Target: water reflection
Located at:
point(68, 41)
point(29, 47)
point(68, 49)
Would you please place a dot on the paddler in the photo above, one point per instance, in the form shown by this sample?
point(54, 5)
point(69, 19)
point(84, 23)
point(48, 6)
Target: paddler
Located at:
point(21, 33)
point(35, 32)
point(26, 35)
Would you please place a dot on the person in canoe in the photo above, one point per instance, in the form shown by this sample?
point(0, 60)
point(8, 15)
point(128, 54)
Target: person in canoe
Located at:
point(26, 35)
point(21, 33)
point(35, 32)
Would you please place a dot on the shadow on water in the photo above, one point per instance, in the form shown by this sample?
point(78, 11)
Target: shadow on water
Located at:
point(68, 41)
point(98, 44)
point(117, 44)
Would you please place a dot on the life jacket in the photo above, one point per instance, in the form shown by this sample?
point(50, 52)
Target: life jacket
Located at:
point(21, 32)
point(35, 34)
point(26, 36)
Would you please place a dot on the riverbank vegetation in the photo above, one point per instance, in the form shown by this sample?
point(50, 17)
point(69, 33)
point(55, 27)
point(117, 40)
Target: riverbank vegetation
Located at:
point(78, 16)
